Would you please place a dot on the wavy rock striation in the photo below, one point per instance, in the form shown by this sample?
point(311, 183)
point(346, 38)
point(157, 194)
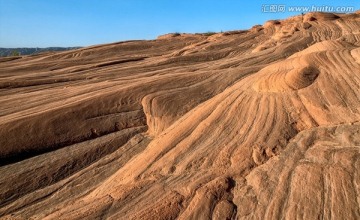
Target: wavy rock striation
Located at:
point(257, 124)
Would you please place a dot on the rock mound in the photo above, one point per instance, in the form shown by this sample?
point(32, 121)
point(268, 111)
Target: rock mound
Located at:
point(258, 124)
point(320, 16)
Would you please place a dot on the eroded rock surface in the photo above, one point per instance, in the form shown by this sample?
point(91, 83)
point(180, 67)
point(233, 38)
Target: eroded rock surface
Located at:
point(257, 124)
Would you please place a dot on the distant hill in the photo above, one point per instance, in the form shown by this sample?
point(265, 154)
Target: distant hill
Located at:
point(4, 52)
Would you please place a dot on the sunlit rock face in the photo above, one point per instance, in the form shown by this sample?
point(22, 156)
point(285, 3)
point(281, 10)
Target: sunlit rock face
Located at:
point(256, 124)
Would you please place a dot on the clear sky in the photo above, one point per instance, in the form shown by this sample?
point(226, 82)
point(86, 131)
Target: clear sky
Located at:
point(44, 23)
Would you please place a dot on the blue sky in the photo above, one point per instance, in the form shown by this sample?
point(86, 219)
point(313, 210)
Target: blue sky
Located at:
point(44, 23)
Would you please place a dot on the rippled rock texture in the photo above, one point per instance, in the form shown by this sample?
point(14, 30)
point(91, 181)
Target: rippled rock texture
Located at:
point(256, 124)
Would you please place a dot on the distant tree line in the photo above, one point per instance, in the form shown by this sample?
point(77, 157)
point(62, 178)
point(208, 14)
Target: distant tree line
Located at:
point(15, 53)
point(6, 52)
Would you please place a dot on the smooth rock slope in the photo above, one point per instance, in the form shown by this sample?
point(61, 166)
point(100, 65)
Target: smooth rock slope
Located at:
point(256, 124)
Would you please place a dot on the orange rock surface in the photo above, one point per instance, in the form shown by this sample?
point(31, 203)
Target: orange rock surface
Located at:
point(256, 124)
